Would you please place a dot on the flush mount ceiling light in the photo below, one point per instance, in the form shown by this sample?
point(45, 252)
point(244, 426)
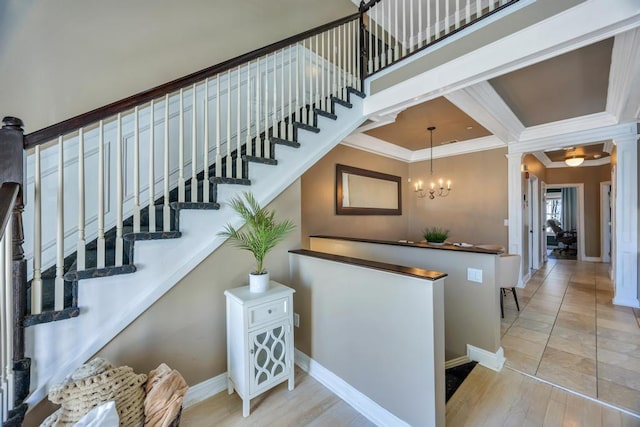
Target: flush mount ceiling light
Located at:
point(574, 161)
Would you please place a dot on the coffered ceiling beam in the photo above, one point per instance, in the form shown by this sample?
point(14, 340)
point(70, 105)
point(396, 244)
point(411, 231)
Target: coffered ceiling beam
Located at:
point(568, 126)
point(577, 137)
point(623, 97)
point(483, 104)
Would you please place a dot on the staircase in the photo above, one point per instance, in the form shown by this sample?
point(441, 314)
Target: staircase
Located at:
point(109, 301)
point(151, 175)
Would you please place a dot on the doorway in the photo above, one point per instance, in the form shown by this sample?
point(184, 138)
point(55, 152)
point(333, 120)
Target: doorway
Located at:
point(564, 221)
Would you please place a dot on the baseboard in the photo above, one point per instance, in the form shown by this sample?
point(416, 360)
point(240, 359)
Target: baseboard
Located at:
point(592, 259)
point(627, 302)
point(204, 390)
point(456, 362)
point(524, 280)
point(361, 403)
point(494, 361)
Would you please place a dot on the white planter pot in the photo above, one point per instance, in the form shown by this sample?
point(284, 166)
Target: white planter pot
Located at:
point(259, 282)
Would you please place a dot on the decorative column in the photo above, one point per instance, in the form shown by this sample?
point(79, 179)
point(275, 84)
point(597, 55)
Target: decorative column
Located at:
point(626, 221)
point(514, 176)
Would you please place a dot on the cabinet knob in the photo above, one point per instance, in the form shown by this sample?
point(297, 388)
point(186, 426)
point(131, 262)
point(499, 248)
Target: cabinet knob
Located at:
point(269, 311)
point(251, 351)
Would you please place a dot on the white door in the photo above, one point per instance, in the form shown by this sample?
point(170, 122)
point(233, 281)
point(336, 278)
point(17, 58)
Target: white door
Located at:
point(534, 223)
point(605, 218)
point(543, 222)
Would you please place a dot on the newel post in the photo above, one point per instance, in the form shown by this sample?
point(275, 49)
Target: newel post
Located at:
point(363, 47)
point(12, 169)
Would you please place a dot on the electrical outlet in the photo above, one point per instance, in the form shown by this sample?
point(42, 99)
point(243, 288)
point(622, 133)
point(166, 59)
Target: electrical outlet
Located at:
point(296, 320)
point(474, 275)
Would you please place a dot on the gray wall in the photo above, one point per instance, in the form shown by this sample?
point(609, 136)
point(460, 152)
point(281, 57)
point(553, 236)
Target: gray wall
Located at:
point(62, 58)
point(380, 332)
point(472, 310)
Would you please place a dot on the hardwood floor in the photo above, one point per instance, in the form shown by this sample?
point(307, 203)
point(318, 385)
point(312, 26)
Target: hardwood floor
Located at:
point(309, 404)
point(567, 333)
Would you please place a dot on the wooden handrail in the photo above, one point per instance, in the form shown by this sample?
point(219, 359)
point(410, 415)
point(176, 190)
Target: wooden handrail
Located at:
point(47, 134)
point(8, 196)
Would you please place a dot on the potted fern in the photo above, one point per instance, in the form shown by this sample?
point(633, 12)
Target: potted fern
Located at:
point(435, 235)
point(260, 234)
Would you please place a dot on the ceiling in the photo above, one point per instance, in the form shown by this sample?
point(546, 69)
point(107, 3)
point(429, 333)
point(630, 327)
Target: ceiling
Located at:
point(589, 152)
point(570, 85)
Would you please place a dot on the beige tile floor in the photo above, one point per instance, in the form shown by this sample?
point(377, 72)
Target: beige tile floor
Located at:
point(569, 333)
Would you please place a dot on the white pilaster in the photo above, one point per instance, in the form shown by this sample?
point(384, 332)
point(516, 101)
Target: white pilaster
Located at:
point(514, 162)
point(626, 221)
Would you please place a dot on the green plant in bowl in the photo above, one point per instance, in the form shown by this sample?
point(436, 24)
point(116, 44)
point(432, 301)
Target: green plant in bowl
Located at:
point(435, 235)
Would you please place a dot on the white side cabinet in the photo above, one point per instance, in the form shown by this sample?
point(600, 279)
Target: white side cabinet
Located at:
point(259, 340)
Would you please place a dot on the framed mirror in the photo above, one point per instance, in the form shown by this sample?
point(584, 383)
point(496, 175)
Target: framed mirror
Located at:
point(365, 192)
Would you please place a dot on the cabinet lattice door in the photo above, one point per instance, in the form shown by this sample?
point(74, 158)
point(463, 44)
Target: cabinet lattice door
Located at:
point(268, 356)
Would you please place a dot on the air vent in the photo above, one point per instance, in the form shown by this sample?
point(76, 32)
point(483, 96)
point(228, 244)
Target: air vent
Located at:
point(449, 142)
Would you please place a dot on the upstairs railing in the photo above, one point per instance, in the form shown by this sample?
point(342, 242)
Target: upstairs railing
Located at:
point(85, 176)
point(396, 29)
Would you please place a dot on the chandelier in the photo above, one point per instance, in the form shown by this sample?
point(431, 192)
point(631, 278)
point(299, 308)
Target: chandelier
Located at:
point(433, 191)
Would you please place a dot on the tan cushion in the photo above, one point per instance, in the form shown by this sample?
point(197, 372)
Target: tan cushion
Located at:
point(120, 384)
point(165, 392)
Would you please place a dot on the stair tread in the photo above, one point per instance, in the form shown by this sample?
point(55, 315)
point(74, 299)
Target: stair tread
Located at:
point(50, 316)
point(108, 270)
point(356, 92)
point(228, 180)
point(152, 235)
point(263, 160)
point(307, 127)
point(286, 142)
point(325, 114)
point(195, 205)
point(342, 102)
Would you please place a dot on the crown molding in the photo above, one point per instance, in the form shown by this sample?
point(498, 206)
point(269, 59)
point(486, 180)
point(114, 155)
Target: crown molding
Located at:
point(482, 103)
point(543, 158)
point(575, 124)
point(608, 147)
point(377, 146)
point(577, 137)
point(623, 96)
point(465, 147)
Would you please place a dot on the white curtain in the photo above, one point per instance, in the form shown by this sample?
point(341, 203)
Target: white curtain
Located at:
point(569, 209)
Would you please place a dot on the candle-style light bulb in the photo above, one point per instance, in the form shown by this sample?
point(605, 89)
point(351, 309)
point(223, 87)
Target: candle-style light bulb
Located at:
point(433, 186)
point(449, 185)
point(440, 182)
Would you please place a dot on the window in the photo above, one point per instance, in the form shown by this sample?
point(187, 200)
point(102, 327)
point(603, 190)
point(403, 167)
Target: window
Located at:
point(553, 207)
